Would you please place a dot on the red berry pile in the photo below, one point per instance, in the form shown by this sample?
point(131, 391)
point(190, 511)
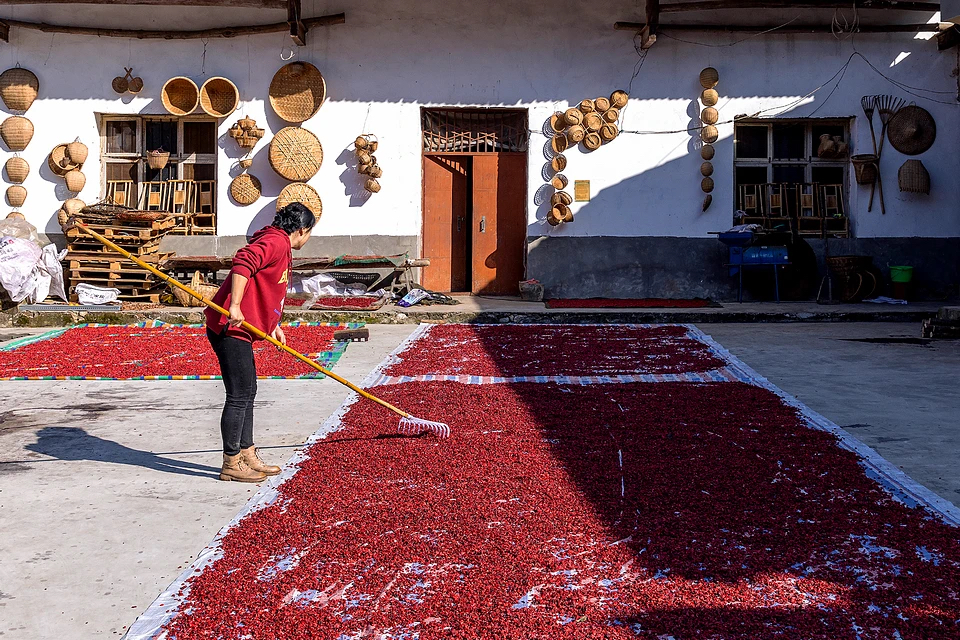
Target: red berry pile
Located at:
point(642, 510)
point(132, 352)
point(335, 302)
point(554, 350)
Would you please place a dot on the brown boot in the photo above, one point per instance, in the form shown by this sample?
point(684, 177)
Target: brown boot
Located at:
point(251, 456)
point(236, 469)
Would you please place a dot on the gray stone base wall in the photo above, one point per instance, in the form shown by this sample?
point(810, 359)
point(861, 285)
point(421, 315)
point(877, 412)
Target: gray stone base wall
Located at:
point(664, 267)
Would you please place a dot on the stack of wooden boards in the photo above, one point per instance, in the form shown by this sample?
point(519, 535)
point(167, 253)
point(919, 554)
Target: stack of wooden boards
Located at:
point(89, 261)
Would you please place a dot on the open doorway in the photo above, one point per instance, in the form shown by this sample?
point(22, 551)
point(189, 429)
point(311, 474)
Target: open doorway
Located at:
point(474, 199)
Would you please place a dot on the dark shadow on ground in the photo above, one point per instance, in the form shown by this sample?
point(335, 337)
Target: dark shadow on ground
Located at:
point(74, 443)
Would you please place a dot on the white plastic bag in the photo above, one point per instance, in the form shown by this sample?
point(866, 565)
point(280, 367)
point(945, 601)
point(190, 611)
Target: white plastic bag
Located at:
point(89, 294)
point(49, 275)
point(18, 266)
point(322, 284)
point(19, 228)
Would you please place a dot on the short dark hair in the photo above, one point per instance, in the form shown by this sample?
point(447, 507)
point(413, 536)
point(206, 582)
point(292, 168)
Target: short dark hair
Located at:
point(293, 217)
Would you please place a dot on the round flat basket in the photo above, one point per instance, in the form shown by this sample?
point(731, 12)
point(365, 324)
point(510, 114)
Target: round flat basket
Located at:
point(558, 122)
point(180, 96)
point(609, 132)
point(573, 116)
point(219, 97)
point(18, 88)
point(707, 152)
point(706, 185)
point(559, 162)
point(297, 91)
point(245, 189)
point(709, 97)
point(576, 133)
point(559, 143)
point(296, 154)
point(912, 130)
point(303, 193)
point(618, 99)
point(709, 116)
point(592, 141)
point(706, 169)
point(561, 197)
point(586, 106)
point(709, 134)
point(709, 78)
point(601, 104)
point(592, 122)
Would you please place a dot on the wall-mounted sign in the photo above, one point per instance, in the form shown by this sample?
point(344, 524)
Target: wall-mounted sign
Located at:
point(581, 190)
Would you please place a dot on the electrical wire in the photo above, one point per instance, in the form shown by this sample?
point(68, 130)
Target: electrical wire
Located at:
point(661, 32)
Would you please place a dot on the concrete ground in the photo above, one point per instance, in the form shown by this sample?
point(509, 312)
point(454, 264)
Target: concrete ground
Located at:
point(107, 489)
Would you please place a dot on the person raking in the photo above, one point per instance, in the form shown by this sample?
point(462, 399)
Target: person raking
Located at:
point(254, 291)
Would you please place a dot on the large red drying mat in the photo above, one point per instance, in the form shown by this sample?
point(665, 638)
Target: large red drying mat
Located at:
point(107, 352)
point(633, 510)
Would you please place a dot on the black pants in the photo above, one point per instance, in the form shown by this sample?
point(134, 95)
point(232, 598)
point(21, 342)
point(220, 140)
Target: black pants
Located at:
point(239, 372)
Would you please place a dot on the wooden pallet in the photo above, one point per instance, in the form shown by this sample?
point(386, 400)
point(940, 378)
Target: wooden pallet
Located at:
point(86, 274)
point(110, 262)
point(116, 234)
point(153, 297)
point(77, 249)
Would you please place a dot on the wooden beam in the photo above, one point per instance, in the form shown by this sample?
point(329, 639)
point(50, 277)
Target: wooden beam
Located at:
point(812, 28)
point(948, 37)
point(219, 32)
point(4, 32)
point(261, 4)
point(713, 5)
point(298, 32)
point(648, 35)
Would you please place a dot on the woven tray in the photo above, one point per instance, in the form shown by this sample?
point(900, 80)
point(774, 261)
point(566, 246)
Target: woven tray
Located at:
point(296, 154)
point(297, 91)
point(303, 193)
point(245, 189)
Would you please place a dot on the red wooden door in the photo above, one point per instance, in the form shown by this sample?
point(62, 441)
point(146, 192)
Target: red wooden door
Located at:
point(499, 222)
point(445, 223)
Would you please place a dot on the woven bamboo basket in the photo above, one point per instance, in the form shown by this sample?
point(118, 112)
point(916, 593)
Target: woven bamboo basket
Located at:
point(586, 106)
point(912, 177)
point(246, 122)
point(559, 143)
point(62, 217)
point(372, 185)
point(710, 116)
point(17, 132)
point(592, 141)
point(245, 189)
point(553, 217)
point(120, 84)
point(573, 116)
point(374, 145)
point(247, 141)
point(601, 104)
point(374, 171)
point(16, 195)
point(77, 152)
point(73, 206)
point(593, 122)
point(611, 115)
point(198, 284)
point(16, 215)
point(618, 99)
point(180, 96)
point(709, 97)
point(706, 185)
point(75, 180)
point(135, 85)
point(18, 88)
point(706, 169)
point(158, 159)
point(561, 197)
point(297, 91)
point(219, 97)
point(558, 122)
point(361, 143)
point(707, 151)
point(609, 132)
point(709, 78)
point(562, 213)
point(576, 133)
point(303, 193)
point(58, 161)
point(864, 168)
point(559, 162)
point(364, 158)
point(17, 169)
point(296, 154)
point(707, 201)
point(709, 134)
point(245, 163)
point(559, 182)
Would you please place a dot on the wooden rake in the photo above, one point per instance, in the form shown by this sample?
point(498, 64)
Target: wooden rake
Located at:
point(408, 424)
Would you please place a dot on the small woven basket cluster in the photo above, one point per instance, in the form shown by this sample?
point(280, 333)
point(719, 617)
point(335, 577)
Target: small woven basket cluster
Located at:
point(709, 117)
point(364, 147)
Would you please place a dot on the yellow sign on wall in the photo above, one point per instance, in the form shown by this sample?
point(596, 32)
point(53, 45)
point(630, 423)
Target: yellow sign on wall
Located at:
point(581, 190)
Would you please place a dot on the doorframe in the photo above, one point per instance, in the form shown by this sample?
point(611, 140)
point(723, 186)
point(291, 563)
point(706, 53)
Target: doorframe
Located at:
point(423, 154)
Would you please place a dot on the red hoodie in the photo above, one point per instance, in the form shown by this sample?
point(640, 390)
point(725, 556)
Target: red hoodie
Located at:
point(266, 263)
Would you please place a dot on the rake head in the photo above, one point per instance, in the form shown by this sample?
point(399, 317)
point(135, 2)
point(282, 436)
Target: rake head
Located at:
point(416, 426)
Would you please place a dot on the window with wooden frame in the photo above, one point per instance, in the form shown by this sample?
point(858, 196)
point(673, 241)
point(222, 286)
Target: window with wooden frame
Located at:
point(784, 179)
point(186, 186)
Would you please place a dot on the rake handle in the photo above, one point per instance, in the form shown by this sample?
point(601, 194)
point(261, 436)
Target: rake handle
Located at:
point(246, 325)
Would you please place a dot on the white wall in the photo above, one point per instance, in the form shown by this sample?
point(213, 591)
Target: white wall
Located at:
point(392, 58)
